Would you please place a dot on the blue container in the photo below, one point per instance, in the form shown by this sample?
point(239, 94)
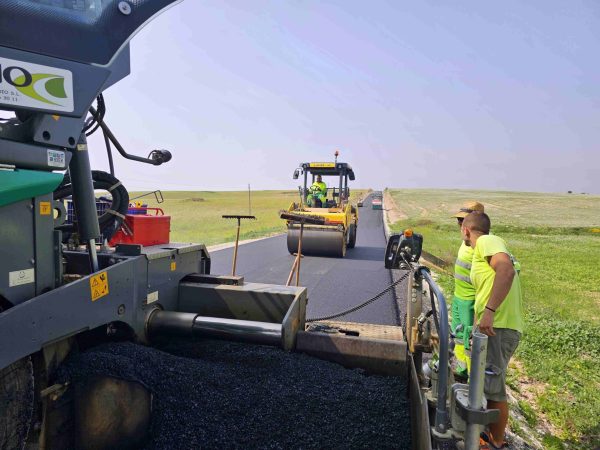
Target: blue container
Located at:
point(102, 204)
point(138, 210)
point(70, 212)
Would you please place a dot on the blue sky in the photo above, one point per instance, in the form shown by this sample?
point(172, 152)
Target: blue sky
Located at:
point(486, 95)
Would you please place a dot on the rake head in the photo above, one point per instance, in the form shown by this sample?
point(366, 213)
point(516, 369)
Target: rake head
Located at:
point(231, 216)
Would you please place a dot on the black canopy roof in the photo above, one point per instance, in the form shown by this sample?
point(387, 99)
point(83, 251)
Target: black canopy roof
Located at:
point(329, 169)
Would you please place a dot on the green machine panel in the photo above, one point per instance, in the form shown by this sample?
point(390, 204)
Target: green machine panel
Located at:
point(19, 184)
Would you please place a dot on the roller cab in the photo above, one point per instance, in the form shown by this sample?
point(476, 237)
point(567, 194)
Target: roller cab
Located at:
point(327, 197)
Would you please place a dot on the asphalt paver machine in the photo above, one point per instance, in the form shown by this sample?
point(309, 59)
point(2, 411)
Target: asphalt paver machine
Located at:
point(339, 231)
point(64, 289)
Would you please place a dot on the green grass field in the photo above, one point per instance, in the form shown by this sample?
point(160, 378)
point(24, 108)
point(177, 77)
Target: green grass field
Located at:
point(196, 215)
point(557, 240)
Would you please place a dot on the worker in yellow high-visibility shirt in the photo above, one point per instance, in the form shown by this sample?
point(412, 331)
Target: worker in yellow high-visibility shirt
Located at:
point(317, 193)
point(464, 296)
point(498, 314)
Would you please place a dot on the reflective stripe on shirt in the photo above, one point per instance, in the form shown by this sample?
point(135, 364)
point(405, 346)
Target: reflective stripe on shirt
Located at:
point(462, 278)
point(463, 264)
point(462, 273)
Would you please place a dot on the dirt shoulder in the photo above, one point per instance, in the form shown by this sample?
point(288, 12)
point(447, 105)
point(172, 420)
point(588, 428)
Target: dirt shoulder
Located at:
point(394, 213)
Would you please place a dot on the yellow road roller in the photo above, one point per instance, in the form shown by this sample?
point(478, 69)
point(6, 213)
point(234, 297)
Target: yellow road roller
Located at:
point(329, 202)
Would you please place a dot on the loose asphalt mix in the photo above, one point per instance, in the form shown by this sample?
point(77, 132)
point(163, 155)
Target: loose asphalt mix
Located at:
point(214, 394)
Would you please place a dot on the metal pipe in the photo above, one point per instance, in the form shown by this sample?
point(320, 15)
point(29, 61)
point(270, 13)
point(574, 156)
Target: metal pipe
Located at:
point(111, 164)
point(476, 383)
point(304, 190)
point(441, 411)
point(170, 323)
point(190, 324)
point(84, 199)
point(108, 134)
point(239, 330)
point(93, 255)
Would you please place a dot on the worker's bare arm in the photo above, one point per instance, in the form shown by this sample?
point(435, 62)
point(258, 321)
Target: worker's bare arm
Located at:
point(505, 273)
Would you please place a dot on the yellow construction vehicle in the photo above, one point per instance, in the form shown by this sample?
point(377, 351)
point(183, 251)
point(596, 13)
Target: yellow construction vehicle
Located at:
point(332, 204)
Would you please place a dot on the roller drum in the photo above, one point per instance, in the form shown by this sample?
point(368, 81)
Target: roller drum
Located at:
point(317, 241)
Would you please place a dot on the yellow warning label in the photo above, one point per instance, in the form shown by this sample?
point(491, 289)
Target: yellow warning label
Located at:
point(99, 285)
point(45, 209)
point(322, 164)
point(173, 266)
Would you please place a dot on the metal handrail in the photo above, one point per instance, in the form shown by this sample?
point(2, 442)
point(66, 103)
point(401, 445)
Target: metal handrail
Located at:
point(442, 326)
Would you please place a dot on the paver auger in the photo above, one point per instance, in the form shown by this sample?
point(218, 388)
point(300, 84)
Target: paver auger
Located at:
point(338, 233)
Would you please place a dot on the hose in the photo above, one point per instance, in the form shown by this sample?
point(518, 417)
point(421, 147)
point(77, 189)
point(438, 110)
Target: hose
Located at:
point(110, 221)
point(372, 299)
point(363, 304)
point(92, 123)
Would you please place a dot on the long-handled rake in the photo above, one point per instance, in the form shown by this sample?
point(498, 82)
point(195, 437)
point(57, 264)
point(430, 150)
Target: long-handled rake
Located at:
point(237, 236)
point(301, 219)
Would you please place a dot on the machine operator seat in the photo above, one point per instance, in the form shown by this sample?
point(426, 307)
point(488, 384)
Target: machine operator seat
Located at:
point(86, 31)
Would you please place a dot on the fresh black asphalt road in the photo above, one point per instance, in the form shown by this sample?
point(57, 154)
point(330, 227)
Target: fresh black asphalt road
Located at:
point(334, 284)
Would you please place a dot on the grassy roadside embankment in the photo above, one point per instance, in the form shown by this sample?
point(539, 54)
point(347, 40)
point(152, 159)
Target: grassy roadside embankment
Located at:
point(556, 238)
point(196, 215)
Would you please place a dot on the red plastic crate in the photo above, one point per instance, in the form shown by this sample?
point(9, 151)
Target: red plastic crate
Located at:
point(145, 230)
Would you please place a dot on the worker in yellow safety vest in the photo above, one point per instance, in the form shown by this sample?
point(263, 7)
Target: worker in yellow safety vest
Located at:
point(464, 297)
point(317, 193)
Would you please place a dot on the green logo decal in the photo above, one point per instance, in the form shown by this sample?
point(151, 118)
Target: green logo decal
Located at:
point(54, 86)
